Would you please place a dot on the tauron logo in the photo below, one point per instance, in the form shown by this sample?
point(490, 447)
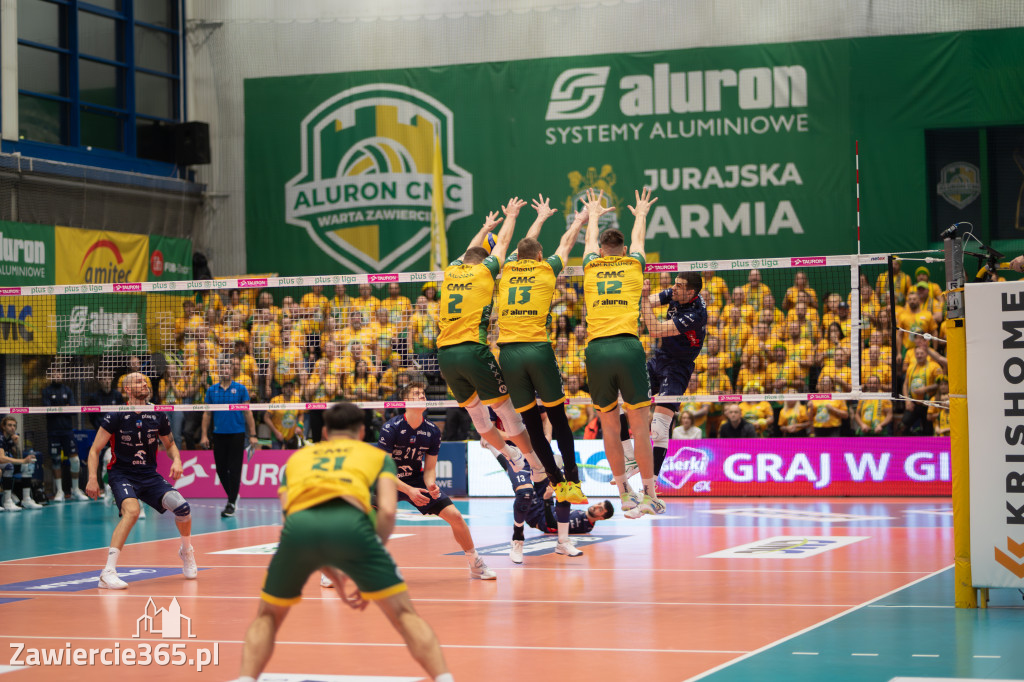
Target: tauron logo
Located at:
point(368, 159)
point(577, 93)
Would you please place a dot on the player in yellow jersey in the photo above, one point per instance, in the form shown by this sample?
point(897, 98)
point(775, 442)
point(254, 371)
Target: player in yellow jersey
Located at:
point(463, 355)
point(325, 493)
point(613, 280)
point(524, 313)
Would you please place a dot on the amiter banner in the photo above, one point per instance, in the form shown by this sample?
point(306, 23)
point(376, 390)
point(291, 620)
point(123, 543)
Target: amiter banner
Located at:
point(750, 149)
point(100, 257)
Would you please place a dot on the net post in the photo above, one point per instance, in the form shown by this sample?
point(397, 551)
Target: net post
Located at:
point(965, 596)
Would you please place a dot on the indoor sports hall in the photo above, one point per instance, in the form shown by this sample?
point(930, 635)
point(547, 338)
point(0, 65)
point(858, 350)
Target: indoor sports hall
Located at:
point(740, 282)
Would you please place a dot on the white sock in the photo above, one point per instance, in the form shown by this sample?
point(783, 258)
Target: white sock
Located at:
point(444, 677)
point(112, 554)
point(472, 556)
point(513, 454)
point(538, 476)
point(186, 542)
point(650, 487)
point(622, 482)
point(627, 450)
point(563, 532)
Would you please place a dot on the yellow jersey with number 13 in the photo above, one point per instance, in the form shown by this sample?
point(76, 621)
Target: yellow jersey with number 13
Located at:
point(467, 293)
point(524, 299)
point(612, 286)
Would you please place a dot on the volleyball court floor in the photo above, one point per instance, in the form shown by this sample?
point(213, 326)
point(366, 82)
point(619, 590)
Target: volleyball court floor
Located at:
point(717, 589)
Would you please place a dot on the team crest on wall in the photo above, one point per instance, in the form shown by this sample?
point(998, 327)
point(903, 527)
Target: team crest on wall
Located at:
point(366, 185)
point(959, 183)
point(599, 181)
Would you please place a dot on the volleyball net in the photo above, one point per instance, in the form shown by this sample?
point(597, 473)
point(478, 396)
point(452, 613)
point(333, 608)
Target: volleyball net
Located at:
point(809, 327)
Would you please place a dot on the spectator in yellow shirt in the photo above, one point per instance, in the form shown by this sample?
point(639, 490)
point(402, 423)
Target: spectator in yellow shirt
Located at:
point(794, 419)
point(828, 414)
point(873, 416)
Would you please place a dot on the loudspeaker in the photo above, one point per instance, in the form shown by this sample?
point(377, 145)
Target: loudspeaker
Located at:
point(192, 143)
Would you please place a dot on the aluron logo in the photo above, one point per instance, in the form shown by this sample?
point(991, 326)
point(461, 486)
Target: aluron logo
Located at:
point(367, 174)
point(577, 93)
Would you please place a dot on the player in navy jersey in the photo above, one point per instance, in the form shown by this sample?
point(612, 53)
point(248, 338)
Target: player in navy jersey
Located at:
point(682, 335)
point(134, 438)
point(413, 442)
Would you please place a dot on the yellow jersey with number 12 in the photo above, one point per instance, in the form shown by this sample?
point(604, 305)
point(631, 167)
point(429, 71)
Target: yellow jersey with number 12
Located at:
point(330, 469)
point(524, 299)
point(467, 293)
point(612, 286)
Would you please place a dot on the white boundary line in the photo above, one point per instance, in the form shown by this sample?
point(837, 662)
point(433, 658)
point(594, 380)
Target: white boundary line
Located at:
point(750, 654)
point(129, 544)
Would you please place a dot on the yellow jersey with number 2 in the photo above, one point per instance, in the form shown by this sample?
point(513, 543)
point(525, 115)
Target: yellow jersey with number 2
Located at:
point(466, 296)
point(612, 286)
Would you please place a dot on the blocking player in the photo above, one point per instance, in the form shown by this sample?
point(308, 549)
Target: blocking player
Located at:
point(463, 356)
point(613, 279)
point(682, 333)
point(528, 361)
point(325, 495)
point(132, 475)
point(413, 442)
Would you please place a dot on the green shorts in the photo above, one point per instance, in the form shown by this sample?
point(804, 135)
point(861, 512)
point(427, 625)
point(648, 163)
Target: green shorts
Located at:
point(470, 369)
point(531, 370)
point(617, 364)
point(331, 534)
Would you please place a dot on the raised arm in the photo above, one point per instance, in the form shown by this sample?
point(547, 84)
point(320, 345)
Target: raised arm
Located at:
point(594, 211)
point(490, 222)
point(504, 238)
point(644, 202)
point(569, 237)
point(544, 211)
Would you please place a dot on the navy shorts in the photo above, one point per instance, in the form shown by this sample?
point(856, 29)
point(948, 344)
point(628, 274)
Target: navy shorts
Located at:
point(669, 376)
point(147, 486)
point(434, 506)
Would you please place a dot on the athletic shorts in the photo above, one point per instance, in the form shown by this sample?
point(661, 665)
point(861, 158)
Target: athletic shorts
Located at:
point(434, 506)
point(531, 371)
point(330, 534)
point(470, 369)
point(147, 486)
point(669, 376)
point(617, 364)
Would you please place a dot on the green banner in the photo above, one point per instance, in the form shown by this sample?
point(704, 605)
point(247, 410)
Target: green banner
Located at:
point(169, 258)
point(749, 149)
point(26, 254)
point(94, 324)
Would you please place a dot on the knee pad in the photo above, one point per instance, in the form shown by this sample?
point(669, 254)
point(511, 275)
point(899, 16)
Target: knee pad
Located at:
point(510, 418)
point(174, 502)
point(481, 418)
point(524, 498)
point(660, 424)
point(75, 462)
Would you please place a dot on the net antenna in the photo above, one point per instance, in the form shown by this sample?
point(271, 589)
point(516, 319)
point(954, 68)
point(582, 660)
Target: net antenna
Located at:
point(965, 596)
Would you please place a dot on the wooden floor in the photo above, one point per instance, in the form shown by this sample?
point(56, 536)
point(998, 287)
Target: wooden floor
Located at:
point(840, 589)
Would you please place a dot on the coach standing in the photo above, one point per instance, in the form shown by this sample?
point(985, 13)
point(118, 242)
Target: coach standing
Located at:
point(229, 429)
